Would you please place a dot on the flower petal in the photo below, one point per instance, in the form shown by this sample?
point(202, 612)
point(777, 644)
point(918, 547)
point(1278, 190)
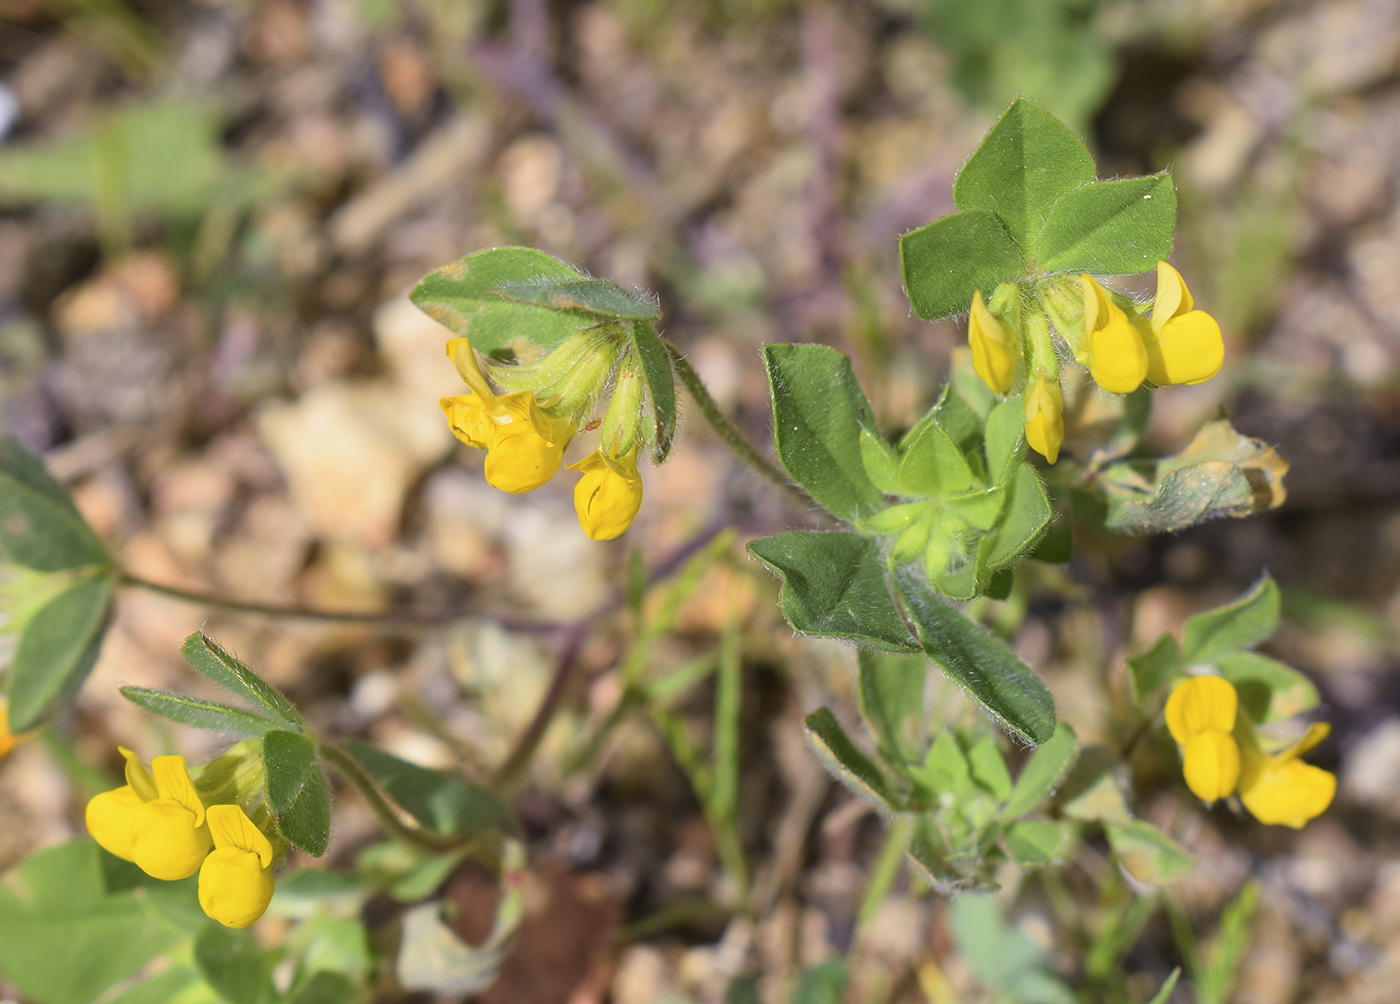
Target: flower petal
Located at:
point(993, 348)
point(1288, 792)
point(1200, 703)
point(1173, 298)
point(1210, 763)
point(110, 817)
point(173, 782)
point(609, 495)
point(230, 826)
point(1187, 349)
point(234, 887)
point(1045, 423)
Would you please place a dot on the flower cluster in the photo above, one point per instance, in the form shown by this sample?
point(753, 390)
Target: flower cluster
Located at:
point(1221, 756)
point(159, 821)
point(525, 431)
point(1103, 331)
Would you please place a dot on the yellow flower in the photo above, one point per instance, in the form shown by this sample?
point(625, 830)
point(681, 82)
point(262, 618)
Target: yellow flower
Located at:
point(609, 495)
point(1117, 355)
point(235, 881)
point(111, 815)
point(993, 347)
point(524, 446)
point(8, 741)
point(1045, 423)
point(1282, 790)
point(169, 837)
point(1201, 718)
point(1185, 345)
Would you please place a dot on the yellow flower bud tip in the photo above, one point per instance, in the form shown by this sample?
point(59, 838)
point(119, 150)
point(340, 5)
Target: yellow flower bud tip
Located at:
point(1199, 704)
point(1117, 354)
point(110, 818)
point(1045, 423)
point(234, 886)
point(609, 495)
point(1211, 764)
point(1185, 345)
point(993, 347)
point(166, 842)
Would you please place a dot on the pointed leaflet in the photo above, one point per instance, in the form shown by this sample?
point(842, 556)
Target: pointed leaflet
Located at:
point(443, 802)
point(850, 766)
point(982, 665)
point(198, 712)
point(946, 261)
point(498, 298)
point(661, 388)
point(1022, 166)
point(819, 411)
point(39, 526)
point(1154, 667)
point(1267, 689)
point(1042, 772)
point(833, 585)
point(210, 660)
point(1111, 227)
point(57, 650)
point(296, 790)
point(1238, 625)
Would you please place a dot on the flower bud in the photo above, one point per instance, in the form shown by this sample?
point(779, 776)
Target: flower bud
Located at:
point(1211, 764)
point(994, 349)
point(235, 881)
point(609, 495)
point(1045, 423)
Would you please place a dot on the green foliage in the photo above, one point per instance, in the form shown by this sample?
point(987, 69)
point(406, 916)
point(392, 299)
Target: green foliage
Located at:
point(661, 388)
point(1051, 50)
point(1042, 772)
point(40, 528)
point(296, 790)
point(853, 768)
point(819, 412)
point(210, 660)
point(65, 936)
point(892, 701)
point(943, 262)
point(57, 650)
point(198, 712)
point(1111, 227)
point(440, 801)
point(1148, 854)
point(233, 965)
point(823, 984)
point(1235, 626)
point(1003, 958)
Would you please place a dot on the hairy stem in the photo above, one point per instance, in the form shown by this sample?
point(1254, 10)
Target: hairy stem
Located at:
point(731, 436)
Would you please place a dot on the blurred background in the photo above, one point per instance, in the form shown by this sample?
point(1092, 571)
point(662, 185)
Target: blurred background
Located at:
point(210, 212)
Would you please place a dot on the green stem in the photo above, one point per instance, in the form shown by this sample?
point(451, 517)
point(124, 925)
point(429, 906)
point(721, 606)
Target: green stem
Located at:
point(731, 436)
point(403, 620)
point(419, 837)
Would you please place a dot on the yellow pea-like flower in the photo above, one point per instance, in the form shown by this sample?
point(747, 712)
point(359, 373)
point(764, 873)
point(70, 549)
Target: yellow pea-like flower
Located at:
point(1210, 762)
point(1045, 423)
point(169, 837)
point(470, 419)
point(1117, 355)
point(1281, 790)
point(110, 818)
point(235, 880)
point(609, 495)
point(527, 451)
point(1200, 704)
point(994, 349)
point(1185, 345)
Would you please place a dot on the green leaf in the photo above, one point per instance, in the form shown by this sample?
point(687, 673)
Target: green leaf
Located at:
point(499, 299)
point(983, 666)
point(1023, 165)
point(945, 769)
point(40, 528)
point(1164, 993)
point(933, 466)
point(945, 871)
point(1238, 625)
point(1042, 772)
point(1154, 667)
point(1267, 689)
point(980, 508)
point(212, 661)
point(960, 420)
point(1227, 950)
point(198, 712)
point(819, 411)
point(946, 261)
point(823, 984)
point(1005, 426)
point(440, 801)
point(231, 964)
point(1091, 790)
point(881, 462)
point(1024, 517)
point(296, 790)
point(834, 586)
point(848, 764)
point(988, 767)
point(596, 296)
point(661, 388)
point(1111, 227)
point(57, 650)
point(64, 938)
point(997, 954)
point(325, 987)
point(1148, 854)
point(1036, 842)
point(161, 989)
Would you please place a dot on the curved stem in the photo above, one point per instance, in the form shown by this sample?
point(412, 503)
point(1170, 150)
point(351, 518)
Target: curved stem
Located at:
point(416, 836)
point(732, 437)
